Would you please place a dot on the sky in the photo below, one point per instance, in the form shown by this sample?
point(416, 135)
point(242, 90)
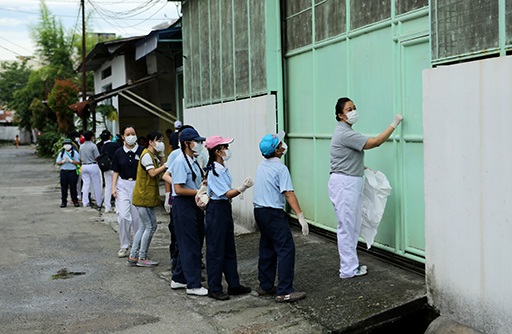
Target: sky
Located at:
point(122, 17)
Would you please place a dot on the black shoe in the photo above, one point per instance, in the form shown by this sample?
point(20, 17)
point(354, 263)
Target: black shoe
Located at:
point(219, 295)
point(76, 204)
point(239, 290)
point(63, 205)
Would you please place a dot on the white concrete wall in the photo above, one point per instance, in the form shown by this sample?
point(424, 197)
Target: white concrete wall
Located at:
point(9, 133)
point(467, 120)
point(118, 78)
point(247, 121)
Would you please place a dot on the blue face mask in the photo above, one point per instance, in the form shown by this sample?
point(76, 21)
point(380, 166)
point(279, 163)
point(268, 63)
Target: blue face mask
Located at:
point(227, 156)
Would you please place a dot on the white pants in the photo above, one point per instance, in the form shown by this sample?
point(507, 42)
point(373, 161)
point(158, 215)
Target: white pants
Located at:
point(346, 193)
point(91, 175)
point(108, 188)
point(79, 187)
point(127, 214)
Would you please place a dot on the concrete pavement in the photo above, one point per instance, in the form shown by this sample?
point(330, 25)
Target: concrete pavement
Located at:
point(38, 239)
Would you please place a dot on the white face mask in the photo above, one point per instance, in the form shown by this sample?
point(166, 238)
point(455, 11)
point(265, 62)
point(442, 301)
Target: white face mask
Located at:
point(285, 147)
point(67, 147)
point(159, 146)
point(352, 117)
point(198, 148)
point(130, 140)
point(227, 156)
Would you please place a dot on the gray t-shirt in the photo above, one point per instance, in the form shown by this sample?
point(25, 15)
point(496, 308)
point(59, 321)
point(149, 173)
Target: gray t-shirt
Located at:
point(346, 151)
point(88, 152)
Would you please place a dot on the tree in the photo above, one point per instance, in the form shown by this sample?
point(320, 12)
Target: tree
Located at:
point(13, 77)
point(63, 94)
point(53, 47)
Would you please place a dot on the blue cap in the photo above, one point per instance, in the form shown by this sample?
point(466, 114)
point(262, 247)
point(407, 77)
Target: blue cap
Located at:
point(269, 143)
point(190, 134)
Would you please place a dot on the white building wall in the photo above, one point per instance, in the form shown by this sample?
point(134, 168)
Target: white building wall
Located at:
point(467, 120)
point(118, 78)
point(247, 121)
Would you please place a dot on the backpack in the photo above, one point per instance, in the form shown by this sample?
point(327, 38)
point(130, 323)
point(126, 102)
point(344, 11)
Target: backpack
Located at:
point(103, 161)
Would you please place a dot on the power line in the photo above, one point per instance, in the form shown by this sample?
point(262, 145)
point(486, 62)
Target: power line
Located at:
point(59, 15)
point(15, 44)
point(16, 53)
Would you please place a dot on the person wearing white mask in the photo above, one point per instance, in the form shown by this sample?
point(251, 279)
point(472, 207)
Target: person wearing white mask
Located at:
point(124, 166)
point(146, 196)
point(188, 218)
point(346, 181)
point(68, 160)
point(220, 237)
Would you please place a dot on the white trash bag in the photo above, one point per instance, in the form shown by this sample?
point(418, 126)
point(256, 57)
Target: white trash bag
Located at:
point(375, 195)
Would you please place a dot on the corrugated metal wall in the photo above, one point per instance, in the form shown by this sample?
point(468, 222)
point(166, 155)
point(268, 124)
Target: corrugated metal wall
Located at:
point(368, 52)
point(225, 49)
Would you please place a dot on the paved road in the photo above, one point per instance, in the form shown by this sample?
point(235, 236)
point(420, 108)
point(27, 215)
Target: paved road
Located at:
point(38, 239)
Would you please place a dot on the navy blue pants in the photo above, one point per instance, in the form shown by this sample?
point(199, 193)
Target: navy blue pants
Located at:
point(277, 250)
point(173, 249)
point(220, 246)
point(189, 227)
point(68, 178)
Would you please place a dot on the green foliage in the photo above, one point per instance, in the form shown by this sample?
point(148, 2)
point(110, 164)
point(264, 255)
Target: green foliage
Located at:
point(63, 94)
point(107, 111)
point(57, 146)
point(52, 45)
point(13, 77)
point(39, 113)
point(47, 140)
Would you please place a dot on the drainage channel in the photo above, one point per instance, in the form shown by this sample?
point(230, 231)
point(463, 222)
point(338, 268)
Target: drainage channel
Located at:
point(410, 318)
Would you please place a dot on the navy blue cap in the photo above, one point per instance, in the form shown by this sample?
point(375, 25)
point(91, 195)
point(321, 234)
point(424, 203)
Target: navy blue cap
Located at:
point(190, 134)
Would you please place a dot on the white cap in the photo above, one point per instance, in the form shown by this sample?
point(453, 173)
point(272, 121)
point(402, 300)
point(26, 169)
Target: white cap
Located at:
point(177, 124)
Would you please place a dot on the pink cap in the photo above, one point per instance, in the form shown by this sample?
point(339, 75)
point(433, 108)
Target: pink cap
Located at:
point(211, 142)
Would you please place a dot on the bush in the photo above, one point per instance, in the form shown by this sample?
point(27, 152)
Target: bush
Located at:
point(47, 140)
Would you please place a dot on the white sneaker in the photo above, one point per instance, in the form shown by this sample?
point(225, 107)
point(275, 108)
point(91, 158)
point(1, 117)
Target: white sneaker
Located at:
point(123, 252)
point(361, 271)
point(108, 210)
point(176, 285)
point(198, 291)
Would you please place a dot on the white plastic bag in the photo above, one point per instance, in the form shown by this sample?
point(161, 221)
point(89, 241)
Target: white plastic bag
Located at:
point(375, 195)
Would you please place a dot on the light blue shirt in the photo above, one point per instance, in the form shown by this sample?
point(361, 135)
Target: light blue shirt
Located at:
point(218, 186)
point(181, 173)
point(174, 154)
point(272, 179)
point(68, 165)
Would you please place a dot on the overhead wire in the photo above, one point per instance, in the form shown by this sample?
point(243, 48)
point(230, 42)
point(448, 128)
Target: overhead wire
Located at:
point(14, 43)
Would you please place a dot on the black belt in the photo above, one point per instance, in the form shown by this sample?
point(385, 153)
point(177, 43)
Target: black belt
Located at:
point(68, 170)
point(127, 179)
point(221, 200)
point(88, 163)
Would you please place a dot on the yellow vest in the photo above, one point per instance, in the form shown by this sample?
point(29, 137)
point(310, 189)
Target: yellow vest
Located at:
point(146, 192)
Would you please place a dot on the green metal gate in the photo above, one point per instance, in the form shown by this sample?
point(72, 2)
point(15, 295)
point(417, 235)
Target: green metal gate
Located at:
point(379, 66)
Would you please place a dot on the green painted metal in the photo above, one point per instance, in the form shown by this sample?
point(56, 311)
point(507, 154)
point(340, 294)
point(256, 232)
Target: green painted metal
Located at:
point(379, 66)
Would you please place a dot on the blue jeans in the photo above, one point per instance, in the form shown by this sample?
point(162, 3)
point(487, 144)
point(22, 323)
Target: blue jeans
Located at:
point(145, 233)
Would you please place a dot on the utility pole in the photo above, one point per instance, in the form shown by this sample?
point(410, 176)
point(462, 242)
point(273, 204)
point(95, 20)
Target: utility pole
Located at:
point(84, 88)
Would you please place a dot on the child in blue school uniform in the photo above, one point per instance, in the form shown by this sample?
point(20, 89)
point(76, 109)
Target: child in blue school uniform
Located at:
point(188, 218)
point(273, 187)
point(220, 237)
point(68, 160)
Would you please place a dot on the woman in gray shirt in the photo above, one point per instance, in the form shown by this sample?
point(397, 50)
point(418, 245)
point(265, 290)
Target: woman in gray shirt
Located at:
point(346, 181)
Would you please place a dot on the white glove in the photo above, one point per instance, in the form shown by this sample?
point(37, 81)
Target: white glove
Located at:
point(397, 120)
point(248, 182)
point(167, 206)
point(303, 223)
